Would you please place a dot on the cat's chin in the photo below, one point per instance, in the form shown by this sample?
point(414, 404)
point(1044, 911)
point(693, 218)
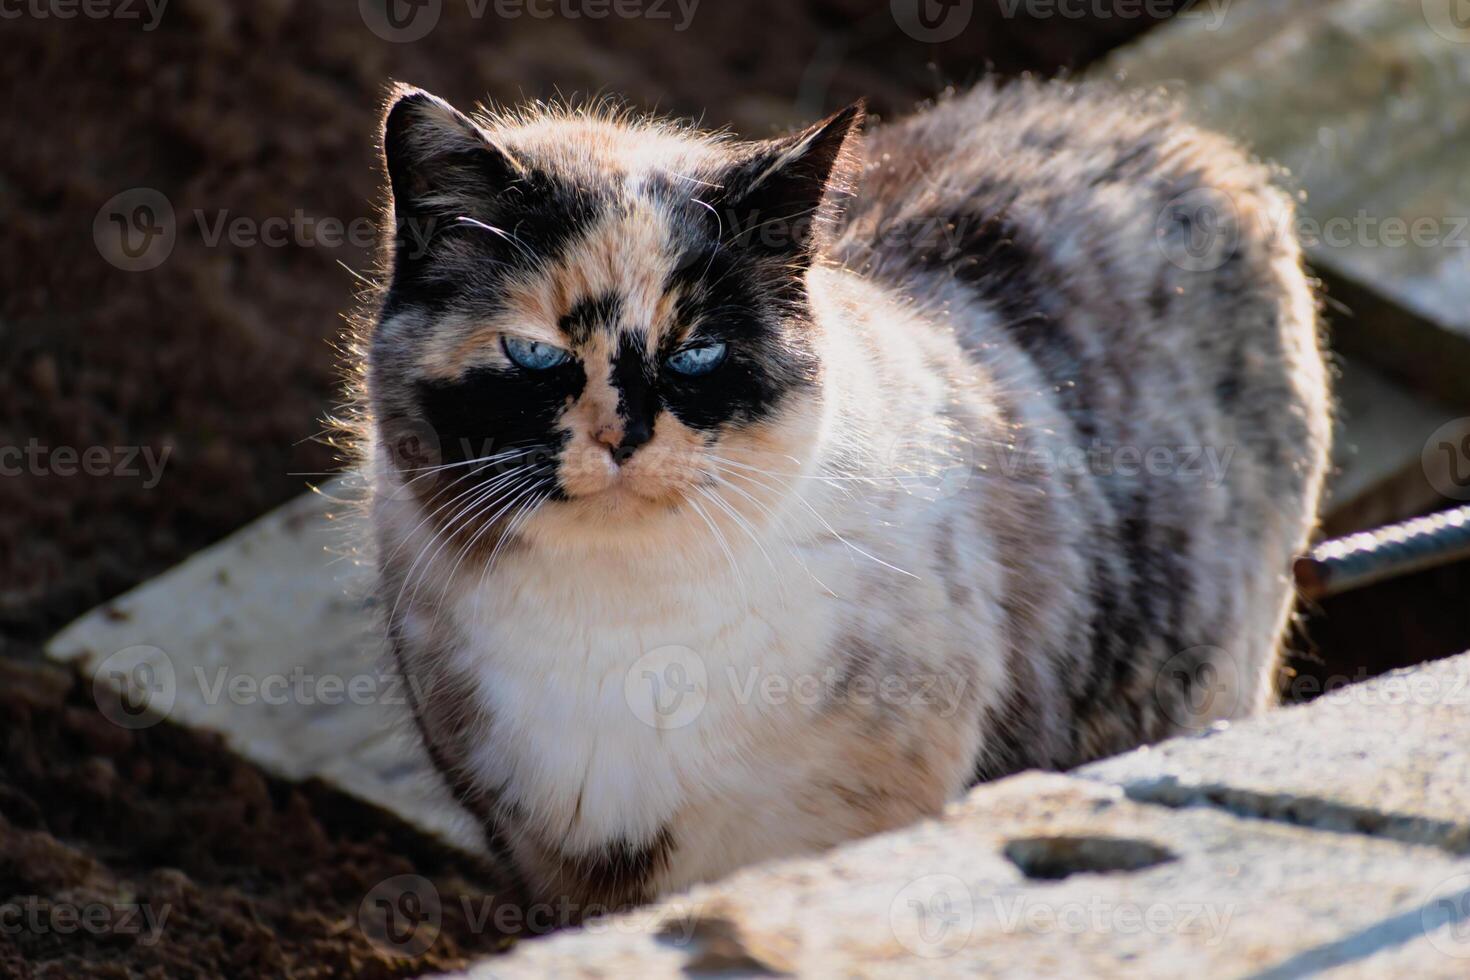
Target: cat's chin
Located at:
point(613, 522)
point(626, 500)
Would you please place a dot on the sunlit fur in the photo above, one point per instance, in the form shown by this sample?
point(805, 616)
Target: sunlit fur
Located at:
point(877, 503)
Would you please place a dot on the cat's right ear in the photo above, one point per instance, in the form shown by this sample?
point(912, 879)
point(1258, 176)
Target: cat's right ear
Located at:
point(439, 162)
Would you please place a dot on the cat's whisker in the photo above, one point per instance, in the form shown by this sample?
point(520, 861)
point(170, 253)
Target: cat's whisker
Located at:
point(513, 528)
point(493, 458)
point(777, 520)
point(520, 493)
point(501, 505)
point(472, 488)
point(720, 221)
point(905, 481)
point(468, 546)
point(459, 496)
point(724, 545)
point(502, 233)
point(836, 534)
point(435, 494)
point(439, 534)
point(816, 477)
point(741, 523)
point(480, 495)
point(696, 180)
point(506, 502)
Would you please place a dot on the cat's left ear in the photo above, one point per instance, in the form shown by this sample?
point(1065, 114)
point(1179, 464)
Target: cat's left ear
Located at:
point(786, 196)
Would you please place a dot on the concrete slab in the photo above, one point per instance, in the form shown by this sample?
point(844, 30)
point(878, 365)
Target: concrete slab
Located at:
point(1229, 897)
point(1389, 757)
point(269, 638)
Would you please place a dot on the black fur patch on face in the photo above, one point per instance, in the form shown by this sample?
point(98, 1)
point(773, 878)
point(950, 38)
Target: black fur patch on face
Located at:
point(758, 309)
point(489, 412)
point(636, 382)
point(590, 315)
point(525, 225)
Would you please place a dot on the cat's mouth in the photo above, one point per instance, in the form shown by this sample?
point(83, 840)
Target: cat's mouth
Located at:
point(622, 480)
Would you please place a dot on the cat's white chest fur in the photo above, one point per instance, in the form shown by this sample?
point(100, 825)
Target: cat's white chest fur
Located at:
point(616, 701)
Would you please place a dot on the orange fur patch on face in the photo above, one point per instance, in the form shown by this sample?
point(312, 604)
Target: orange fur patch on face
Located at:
point(627, 255)
point(586, 466)
point(672, 465)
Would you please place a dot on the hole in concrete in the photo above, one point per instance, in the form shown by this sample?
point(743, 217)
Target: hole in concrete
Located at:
point(1055, 858)
point(716, 947)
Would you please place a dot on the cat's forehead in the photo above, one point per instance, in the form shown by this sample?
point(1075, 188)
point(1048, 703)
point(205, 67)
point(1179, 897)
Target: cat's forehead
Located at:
point(623, 273)
point(628, 229)
point(607, 151)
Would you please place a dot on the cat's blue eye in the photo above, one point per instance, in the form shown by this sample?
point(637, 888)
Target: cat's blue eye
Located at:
point(534, 355)
point(694, 361)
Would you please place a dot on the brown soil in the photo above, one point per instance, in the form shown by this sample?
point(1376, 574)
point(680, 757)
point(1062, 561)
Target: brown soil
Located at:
point(156, 853)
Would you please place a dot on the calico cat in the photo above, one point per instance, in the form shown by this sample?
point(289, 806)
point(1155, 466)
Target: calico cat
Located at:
point(733, 500)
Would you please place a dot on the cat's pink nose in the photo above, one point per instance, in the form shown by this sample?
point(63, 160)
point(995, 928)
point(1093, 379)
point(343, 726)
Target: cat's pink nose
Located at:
point(610, 435)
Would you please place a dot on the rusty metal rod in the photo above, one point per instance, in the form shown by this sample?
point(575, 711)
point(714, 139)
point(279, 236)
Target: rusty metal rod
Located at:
point(1352, 562)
